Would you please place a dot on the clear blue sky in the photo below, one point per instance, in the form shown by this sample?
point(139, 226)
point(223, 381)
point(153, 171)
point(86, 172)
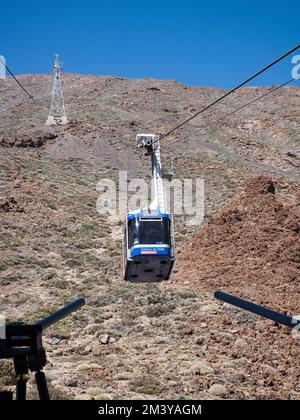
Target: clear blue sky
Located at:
point(211, 43)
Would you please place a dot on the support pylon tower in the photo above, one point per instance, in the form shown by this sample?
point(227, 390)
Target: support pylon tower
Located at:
point(57, 114)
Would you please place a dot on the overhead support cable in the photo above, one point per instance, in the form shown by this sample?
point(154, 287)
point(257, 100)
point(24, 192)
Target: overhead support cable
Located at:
point(249, 79)
point(20, 84)
point(238, 109)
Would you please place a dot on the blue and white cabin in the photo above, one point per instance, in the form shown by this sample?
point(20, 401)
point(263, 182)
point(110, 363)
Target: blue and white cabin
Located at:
point(149, 248)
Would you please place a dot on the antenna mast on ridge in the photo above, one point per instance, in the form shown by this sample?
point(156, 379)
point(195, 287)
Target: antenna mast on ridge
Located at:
point(57, 114)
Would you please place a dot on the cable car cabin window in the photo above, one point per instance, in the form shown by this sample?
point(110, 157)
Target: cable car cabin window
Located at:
point(154, 232)
point(132, 232)
point(149, 232)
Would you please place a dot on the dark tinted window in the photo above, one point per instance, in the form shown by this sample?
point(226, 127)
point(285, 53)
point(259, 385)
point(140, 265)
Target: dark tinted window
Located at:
point(132, 232)
point(148, 232)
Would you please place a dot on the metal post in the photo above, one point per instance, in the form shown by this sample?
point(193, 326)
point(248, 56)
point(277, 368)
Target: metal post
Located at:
point(57, 114)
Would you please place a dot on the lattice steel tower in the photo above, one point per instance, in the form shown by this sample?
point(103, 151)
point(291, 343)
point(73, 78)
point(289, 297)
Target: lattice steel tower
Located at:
point(57, 114)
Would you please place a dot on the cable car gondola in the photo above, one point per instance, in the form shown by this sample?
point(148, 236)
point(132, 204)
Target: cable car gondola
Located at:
point(149, 250)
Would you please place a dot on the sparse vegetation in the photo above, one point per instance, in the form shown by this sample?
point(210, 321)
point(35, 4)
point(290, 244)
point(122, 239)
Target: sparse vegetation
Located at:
point(146, 385)
point(7, 373)
point(60, 248)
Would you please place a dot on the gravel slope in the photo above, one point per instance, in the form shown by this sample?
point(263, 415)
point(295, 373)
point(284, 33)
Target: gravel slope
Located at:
point(160, 341)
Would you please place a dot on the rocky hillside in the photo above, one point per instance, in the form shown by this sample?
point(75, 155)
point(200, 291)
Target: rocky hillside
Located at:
point(251, 247)
point(150, 341)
